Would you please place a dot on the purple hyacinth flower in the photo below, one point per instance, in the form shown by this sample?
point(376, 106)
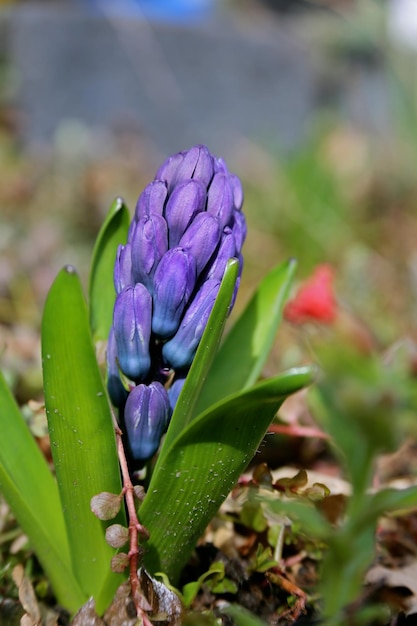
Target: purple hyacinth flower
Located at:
point(152, 200)
point(132, 330)
point(117, 391)
point(186, 201)
point(174, 282)
point(186, 226)
point(146, 417)
point(149, 244)
point(220, 201)
point(179, 351)
point(201, 239)
point(122, 275)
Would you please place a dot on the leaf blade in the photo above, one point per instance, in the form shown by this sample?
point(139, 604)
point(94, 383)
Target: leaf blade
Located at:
point(81, 431)
point(209, 343)
point(242, 355)
point(101, 289)
point(32, 494)
point(202, 466)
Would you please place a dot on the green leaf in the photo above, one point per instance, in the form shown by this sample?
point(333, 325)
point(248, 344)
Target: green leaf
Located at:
point(384, 501)
point(240, 360)
point(311, 520)
point(202, 465)
point(81, 430)
point(101, 288)
point(241, 616)
point(31, 492)
point(185, 408)
point(190, 590)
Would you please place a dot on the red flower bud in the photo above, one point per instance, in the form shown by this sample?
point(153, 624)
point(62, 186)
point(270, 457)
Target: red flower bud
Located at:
point(314, 301)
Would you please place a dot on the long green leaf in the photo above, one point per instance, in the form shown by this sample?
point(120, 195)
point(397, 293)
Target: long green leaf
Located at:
point(101, 289)
point(30, 489)
point(81, 431)
point(241, 357)
point(203, 464)
point(184, 409)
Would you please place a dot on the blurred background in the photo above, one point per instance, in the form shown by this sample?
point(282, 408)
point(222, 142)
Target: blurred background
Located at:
point(311, 102)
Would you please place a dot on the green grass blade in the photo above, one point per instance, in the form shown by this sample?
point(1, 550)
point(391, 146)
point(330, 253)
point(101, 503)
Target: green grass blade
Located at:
point(202, 466)
point(101, 288)
point(239, 362)
point(81, 431)
point(185, 407)
point(30, 489)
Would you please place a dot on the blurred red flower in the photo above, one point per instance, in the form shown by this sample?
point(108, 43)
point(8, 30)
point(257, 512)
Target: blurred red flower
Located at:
point(314, 301)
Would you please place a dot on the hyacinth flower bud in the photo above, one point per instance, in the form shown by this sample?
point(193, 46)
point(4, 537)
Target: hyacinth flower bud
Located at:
point(198, 164)
point(237, 191)
point(239, 229)
point(220, 201)
point(174, 282)
point(226, 251)
point(179, 351)
point(201, 239)
point(175, 390)
point(132, 330)
point(146, 417)
point(117, 391)
point(186, 201)
point(168, 169)
point(149, 244)
point(152, 200)
point(122, 276)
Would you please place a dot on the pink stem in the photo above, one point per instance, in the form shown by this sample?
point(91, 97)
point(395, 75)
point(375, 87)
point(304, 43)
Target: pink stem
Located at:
point(295, 430)
point(135, 530)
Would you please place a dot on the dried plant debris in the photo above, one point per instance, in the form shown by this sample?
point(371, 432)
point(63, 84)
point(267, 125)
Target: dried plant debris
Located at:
point(35, 614)
point(165, 606)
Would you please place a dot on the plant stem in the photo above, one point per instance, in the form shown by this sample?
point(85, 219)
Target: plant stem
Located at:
point(136, 529)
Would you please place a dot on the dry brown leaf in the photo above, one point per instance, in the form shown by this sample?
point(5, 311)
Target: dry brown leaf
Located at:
point(400, 577)
point(27, 597)
point(165, 603)
point(87, 615)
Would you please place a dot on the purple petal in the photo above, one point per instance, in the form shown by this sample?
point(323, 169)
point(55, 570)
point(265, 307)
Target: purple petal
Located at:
point(151, 200)
point(149, 244)
point(174, 281)
point(179, 351)
point(175, 390)
point(197, 164)
point(239, 229)
point(187, 199)
point(132, 330)
point(226, 251)
point(201, 239)
point(122, 275)
point(168, 169)
point(237, 191)
point(146, 417)
point(117, 391)
point(220, 199)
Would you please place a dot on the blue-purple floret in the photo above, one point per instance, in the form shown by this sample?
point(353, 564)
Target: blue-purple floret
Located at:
point(187, 224)
point(146, 416)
